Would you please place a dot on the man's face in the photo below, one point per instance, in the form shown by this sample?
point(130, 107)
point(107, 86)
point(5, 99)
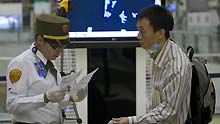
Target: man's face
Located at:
point(49, 50)
point(146, 35)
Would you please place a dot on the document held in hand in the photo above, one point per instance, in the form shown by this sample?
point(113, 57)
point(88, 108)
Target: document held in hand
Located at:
point(70, 81)
point(83, 82)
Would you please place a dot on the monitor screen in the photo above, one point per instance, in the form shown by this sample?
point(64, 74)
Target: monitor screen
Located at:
point(105, 19)
point(9, 21)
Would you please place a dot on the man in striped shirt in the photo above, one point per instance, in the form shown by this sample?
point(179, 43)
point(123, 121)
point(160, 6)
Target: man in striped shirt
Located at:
point(170, 71)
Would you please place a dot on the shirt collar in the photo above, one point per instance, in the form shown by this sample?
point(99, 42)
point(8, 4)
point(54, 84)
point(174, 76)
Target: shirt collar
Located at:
point(162, 55)
point(39, 55)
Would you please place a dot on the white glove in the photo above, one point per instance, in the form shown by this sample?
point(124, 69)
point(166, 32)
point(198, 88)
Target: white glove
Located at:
point(80, 94)
point(56, 94)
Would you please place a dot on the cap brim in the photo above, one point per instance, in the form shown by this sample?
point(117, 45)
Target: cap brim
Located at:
point(59, 42)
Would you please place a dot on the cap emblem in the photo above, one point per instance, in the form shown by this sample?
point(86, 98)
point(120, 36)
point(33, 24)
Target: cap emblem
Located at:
point(65, 28)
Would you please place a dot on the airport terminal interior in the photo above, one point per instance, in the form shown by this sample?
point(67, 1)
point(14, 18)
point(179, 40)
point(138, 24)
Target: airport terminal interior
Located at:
point(114, 90)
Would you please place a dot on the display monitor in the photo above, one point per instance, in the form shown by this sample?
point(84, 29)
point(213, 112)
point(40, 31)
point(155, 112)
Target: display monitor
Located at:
point(103, 20)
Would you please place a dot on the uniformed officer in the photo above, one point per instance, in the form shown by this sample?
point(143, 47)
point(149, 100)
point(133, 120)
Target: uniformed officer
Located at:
point(32, 78)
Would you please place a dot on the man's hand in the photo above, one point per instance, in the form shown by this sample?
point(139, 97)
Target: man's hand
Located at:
point(55, 94)
point(80, 95)
point(121, 120)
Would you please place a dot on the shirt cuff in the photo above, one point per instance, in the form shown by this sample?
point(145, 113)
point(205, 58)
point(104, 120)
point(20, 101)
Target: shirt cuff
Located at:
point(38, 98)
point(132, 120)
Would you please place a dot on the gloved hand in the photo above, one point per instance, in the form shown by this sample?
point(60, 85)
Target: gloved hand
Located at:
point(56, 94)
point(80, 95)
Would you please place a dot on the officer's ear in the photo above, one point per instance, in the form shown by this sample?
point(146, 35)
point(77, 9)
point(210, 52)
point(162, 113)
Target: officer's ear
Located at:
point(39, 40)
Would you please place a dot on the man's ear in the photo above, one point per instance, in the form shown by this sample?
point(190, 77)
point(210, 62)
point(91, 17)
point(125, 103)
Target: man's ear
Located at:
point(162, 33)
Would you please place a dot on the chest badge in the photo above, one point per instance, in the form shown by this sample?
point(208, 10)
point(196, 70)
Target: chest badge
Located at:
point(40, 69)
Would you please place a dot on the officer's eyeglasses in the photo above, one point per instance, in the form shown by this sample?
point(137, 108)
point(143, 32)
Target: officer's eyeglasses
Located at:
point(56, 46)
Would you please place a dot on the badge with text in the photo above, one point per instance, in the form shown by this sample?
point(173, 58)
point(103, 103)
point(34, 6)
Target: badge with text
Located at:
point(40, 69)
point(14, 75)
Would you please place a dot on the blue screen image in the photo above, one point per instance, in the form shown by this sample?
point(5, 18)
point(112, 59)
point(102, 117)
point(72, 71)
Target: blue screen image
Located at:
point(105, 15)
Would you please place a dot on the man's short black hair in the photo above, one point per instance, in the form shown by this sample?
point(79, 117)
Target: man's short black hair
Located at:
point(159, 17)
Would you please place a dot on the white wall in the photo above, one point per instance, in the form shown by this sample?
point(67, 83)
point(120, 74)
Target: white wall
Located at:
point(11, 9)
point(81, 63)
point(141, 93)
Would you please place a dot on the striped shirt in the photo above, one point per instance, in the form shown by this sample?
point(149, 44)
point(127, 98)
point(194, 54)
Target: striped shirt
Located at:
point(171, 83)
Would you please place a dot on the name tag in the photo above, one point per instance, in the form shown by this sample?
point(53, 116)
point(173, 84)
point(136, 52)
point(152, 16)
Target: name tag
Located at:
point(40, 69)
